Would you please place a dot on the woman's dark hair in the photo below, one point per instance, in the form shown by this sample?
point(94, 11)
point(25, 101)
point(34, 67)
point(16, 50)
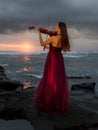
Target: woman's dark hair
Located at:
point(65, 38)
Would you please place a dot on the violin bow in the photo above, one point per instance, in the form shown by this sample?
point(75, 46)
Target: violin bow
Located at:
point(47, 34)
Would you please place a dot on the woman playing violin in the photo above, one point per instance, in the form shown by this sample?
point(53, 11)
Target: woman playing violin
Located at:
point(52, 94)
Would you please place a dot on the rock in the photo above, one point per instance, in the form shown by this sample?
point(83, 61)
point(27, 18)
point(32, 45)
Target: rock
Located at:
point(19, 105)
point(81, 127)
point(7, 84)
point(10, 85)
point(2, 73)
point(14, 104)
point(13, 113)
point(88, 87)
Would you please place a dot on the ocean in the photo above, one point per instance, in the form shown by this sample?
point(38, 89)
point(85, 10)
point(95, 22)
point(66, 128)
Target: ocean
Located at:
point(29, 68)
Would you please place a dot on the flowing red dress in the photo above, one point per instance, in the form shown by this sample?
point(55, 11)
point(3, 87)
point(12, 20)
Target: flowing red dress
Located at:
point(52, 94)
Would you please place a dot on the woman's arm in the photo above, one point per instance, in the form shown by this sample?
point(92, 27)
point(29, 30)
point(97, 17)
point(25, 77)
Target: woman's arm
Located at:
point(46, 42)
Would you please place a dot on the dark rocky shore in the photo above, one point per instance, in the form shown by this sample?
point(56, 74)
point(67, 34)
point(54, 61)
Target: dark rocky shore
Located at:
point(17, 103)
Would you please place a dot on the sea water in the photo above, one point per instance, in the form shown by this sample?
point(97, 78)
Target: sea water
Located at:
point(29, 68)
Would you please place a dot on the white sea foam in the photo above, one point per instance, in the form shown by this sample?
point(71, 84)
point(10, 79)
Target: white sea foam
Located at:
point(29, 74)
point(8, 71)
point(4, 64)
point(35, 75)
point(18, 71)
point(75, 54)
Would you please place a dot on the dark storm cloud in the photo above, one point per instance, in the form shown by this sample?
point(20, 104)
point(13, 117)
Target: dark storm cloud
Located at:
point(16, 16)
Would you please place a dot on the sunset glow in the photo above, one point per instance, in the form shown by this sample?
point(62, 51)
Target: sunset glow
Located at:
point(27, 48)
point(23, 47)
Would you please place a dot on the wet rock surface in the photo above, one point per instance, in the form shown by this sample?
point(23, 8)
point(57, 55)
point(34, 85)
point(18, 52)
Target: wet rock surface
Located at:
point(18, 104)
point(8, 84)
point(88, 87)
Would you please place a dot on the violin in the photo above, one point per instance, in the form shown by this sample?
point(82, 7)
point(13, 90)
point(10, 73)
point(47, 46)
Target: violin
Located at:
point(45, 31)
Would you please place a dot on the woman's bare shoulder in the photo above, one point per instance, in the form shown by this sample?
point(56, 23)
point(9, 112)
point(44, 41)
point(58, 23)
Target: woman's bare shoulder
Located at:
point(57, 42)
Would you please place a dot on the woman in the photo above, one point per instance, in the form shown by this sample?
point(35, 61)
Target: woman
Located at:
point(52, 95)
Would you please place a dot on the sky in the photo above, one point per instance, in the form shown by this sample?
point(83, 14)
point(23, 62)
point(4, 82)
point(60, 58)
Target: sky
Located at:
point(17, 15)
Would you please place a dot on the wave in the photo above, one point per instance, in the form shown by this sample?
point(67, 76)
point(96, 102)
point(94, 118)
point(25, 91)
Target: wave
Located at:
point(75, 54)
point(18, 71)
point(35, 75)
point(10, 53)
point(20, 53)
point(80, 76)
point(38, 53)
point(4, 64)
point(65, 54)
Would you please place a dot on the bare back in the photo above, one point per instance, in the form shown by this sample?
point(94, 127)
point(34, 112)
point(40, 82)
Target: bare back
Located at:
point(56, 41)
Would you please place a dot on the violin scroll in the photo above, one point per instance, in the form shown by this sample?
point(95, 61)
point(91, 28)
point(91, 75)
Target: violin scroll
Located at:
point(31, 27)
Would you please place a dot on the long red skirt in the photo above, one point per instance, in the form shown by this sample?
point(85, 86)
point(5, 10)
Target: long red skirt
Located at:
point(52, 94)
